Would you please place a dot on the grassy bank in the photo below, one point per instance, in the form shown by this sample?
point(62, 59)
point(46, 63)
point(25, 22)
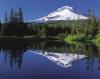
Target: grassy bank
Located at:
point(82, 38)
point(73, 38)
point(96, 39)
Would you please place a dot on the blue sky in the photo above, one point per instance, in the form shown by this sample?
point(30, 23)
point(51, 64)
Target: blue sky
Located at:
point(37, 8)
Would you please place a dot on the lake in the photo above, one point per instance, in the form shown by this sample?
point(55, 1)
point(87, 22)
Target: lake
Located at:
point(48, 59)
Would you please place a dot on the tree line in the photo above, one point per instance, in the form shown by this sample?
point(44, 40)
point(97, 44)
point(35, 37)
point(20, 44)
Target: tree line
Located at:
point(14, 25)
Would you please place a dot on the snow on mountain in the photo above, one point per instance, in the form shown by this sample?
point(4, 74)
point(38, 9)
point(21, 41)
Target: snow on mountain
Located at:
point(62, 59)
point(63, 13)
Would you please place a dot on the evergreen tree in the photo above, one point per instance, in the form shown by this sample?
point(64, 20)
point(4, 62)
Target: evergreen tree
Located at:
point(6, 17)
point(16, 16)
point(99, 26)
point(11, 18)
point(20, 15)
point(1, 28)
point(90, 23)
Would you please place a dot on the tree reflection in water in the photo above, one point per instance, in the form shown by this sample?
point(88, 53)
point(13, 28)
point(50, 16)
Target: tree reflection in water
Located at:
point(15, 49)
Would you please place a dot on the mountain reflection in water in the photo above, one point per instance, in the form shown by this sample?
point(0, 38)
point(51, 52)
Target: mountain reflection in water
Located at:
point(14, 50)
point(31, 59)
point(62, 59)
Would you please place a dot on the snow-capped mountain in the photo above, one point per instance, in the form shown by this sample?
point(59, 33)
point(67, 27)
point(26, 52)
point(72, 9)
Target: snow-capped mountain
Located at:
point(62, 59)
point(63, 13)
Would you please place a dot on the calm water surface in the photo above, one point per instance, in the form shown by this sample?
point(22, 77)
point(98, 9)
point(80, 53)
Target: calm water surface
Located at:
point(49, 60)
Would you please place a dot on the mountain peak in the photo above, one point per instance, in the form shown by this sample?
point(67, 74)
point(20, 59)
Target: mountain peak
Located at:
point(63, 13)
point(65, 7)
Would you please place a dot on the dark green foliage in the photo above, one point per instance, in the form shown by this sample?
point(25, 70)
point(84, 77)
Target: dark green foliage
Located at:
point(87, 27)
point(1, 29)
point(14, 25)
